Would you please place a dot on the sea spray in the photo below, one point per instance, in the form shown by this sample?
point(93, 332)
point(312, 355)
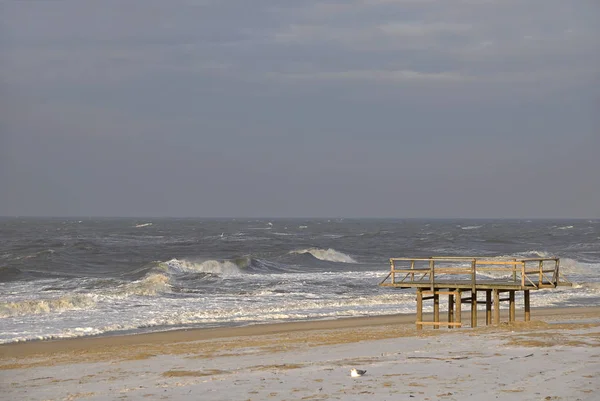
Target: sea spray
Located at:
point(224, 267)
point(330, 255)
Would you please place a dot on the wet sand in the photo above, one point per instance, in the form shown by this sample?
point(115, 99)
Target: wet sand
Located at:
point(297, 359)
point(379, 327)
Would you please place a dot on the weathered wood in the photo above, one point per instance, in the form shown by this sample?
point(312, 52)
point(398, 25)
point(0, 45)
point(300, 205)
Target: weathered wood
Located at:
point(496, 307)
point(473, 308)
point(454, 270)
point(464, 285)
point(511, 306)
point(419, 308)
point(436, 310)
point(435, 276)
point(432, 274)
point(450, 309)
point(488, 307)
point(541, 266)
point(458, 313)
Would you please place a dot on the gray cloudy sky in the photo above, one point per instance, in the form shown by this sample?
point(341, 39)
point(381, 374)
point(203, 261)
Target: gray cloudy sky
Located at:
point(274, 108)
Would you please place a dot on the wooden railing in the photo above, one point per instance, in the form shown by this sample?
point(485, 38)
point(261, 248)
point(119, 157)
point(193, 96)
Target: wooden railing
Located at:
point(532, 273)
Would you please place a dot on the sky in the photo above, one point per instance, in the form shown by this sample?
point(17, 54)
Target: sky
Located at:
point(281, 108)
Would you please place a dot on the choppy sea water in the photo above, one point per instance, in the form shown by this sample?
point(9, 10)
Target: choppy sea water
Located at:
point(64, 278)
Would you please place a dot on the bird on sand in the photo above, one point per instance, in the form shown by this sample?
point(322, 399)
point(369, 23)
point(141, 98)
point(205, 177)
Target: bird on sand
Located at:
point(357, 372)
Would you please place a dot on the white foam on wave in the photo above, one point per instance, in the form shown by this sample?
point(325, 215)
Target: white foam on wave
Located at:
point(143, 225)
point(330, 255)
point(224, 267)
point(151, 285)
point(68, 333)
point(48, 305)
point(590, 286)
point(35, 255)
point(471, 227)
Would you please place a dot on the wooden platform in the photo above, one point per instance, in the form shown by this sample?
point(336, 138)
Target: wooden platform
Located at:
point(459, 276)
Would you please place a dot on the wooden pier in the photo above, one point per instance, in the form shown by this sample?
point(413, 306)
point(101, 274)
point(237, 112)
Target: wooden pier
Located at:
point(460, 276)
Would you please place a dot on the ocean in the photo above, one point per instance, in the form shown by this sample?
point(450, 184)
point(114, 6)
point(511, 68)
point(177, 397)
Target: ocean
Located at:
point(72, 277)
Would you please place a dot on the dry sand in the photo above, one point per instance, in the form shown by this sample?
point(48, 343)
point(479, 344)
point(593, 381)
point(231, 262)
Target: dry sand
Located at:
point(554, 357)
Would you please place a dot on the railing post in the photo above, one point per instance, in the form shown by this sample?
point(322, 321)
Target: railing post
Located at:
point(522, 274)
point(473, 274)
point(393, 268)
point(431, 274)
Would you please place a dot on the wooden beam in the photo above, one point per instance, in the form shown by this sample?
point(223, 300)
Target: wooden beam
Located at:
point(488, 307)
point(473, 308)
point(496, 307)
point(458, 306)
point(436, 310)
point(450, 309)
point(527, 309)
point(419, 308)
point(511, 307)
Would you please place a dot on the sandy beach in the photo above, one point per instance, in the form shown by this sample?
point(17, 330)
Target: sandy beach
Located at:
point(553, 357)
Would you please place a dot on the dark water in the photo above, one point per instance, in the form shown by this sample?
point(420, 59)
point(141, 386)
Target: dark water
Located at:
point(73, 277)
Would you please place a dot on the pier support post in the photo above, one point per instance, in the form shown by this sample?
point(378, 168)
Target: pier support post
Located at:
point(451, 309)
point(488, 307)
point(473, 308)
point(527, 309)
point(436, 309)
point(458, 313)
point(511, 307)
point(419, 308)
point(496, 307)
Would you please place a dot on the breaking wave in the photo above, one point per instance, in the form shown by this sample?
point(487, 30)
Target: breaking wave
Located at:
point(330, 255)
point(471, 227)
point(593, 286)
point(151, 285)
point(223, 267)
point(39, 306)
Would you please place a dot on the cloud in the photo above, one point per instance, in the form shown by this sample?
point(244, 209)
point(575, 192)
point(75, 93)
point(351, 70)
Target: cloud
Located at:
point(399, 76)
point(361, 40)
point(191, 97)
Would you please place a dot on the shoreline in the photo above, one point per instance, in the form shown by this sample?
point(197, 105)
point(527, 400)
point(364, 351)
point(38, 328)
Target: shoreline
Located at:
point(403, 324)
point(556, 356)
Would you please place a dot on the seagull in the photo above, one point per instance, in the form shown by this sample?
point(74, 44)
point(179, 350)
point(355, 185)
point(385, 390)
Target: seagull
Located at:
point(357, 372)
